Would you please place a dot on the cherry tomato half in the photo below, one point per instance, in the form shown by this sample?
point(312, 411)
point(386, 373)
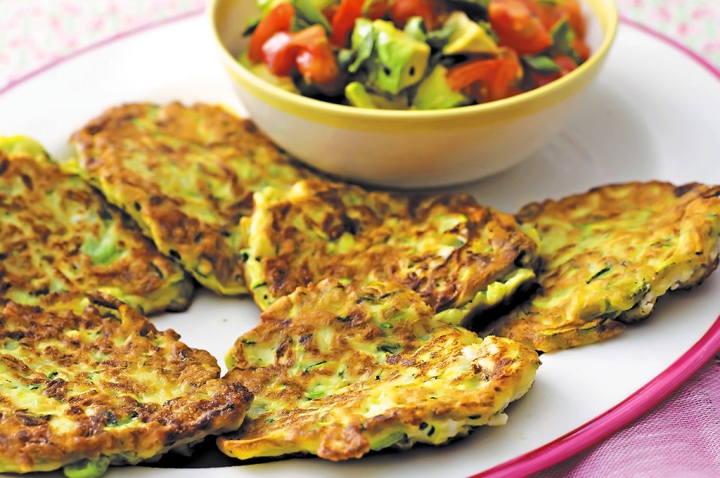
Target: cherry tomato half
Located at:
point(518, 27)
point(315, 59)
point(494, 77)
point(278, 20)
point(403, 10)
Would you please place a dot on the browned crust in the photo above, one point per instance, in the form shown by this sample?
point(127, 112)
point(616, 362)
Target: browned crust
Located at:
point(455, 375)
point(96, 395)
point(199, 239)
point(686, 214)
point(42, 246)
point(495, 242)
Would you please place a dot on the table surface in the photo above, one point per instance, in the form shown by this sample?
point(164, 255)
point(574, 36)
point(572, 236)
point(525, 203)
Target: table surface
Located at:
point(679, 437)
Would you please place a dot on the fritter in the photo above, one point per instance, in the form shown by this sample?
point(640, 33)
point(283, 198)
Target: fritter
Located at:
point(338, 371)
point(58, 234)
point(609, 254)
point(459, 256)
point(89, 382)
point(186, 175)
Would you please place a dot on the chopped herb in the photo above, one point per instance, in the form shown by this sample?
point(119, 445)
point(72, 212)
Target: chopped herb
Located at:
point(391, 348)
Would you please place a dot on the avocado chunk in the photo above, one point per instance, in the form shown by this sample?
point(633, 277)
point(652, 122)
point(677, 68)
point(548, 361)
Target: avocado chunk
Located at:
point(361, 98)
point(261, 71)
point(358, 97)
point(467, 36)
point(434, 93)
point(399, 60)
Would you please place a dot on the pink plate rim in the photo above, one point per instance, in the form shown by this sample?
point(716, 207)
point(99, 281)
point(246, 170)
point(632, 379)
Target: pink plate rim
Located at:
point(596, 429)
point(644, 399)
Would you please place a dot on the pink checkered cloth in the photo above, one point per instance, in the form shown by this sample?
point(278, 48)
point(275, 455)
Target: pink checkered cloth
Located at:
point(680, 437)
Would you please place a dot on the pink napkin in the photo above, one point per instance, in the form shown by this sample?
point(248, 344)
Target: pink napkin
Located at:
point(678, 438)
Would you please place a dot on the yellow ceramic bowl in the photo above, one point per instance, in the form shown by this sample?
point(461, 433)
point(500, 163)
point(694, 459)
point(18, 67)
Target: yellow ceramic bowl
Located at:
point(408, 149)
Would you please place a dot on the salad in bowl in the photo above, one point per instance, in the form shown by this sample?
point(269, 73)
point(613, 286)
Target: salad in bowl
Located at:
point(414, 54)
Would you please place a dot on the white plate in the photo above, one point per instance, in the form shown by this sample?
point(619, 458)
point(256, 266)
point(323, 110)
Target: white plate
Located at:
point(651, 115)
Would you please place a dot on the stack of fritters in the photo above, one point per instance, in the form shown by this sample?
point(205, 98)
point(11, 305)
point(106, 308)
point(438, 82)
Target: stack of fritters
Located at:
point(90, 382)
point(609, 254)
point(459, 256)
point(187, 176)
point(338, 371)
point(58, 234)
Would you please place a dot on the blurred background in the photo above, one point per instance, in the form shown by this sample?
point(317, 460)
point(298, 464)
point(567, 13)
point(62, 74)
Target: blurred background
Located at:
point(35, 32)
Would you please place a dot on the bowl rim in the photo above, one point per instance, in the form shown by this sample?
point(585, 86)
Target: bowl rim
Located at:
point(375, 119)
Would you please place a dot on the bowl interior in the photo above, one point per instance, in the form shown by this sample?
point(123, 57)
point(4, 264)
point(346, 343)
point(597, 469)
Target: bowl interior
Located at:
point(232, 18)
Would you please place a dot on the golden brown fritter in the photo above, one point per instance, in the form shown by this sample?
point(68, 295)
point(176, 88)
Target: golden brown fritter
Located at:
point(338, 372)
point(459, 256)
point(58, 234)
point(87, 383)
point(186, 175)
point(609, 254)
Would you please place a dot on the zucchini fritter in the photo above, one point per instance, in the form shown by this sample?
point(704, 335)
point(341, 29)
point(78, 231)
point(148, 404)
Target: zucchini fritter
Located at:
point(58, 234)
point(89, 382)
point(459, 256)
point(338, 372)
point(609, 254)
point(186, 175)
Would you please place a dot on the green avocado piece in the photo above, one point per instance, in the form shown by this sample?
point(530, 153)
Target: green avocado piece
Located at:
point(434, 93)
point(261, 71)
point(399, 60)
point(394, 102)
point(467, 36)
point(415, 28)
point(12, 145)
point(358, 96)
point(361, 98)
point(87, 468)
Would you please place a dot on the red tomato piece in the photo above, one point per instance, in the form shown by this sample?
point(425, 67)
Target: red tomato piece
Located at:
point(566, 65)
point(572, 7)
point(582, 49)
point(315, 59)
point(344, 21)
point(551, 13)
point(329, 12)
point(278, 57)
point(278, 20)
point(309, 50)
point(376, 9)
point(403, 10)
point(496, 76)
point(543, 80)
point(518, 27)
